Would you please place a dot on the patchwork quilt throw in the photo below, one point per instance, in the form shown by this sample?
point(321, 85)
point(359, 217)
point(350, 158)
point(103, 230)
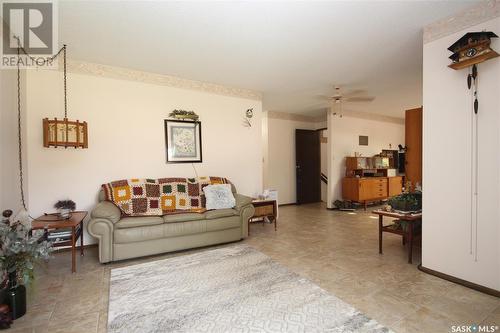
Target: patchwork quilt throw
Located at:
point(157, 197)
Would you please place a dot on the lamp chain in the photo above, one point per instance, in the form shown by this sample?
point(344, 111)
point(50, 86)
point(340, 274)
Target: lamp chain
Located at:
point(19, 133)
point(65, 85)
point(50, 59)
point(19, 130)
point(36, 61)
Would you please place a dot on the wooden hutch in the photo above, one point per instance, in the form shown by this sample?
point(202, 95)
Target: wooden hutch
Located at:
point(370, 179)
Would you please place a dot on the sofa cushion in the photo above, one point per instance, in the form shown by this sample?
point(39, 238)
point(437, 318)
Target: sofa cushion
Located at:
point(184, 217)
point(106, 210)
point(219, 196)
point(184, 228)
point(138, 234)
point(165, 230)
point(138, 221)
point(224, 223)
point(218, 213)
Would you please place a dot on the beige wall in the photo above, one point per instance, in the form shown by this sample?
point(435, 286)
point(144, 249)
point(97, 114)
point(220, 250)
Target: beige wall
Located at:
point(127, 140)
point(345, 141)
point(280, 166)
point(9, 170)
point(452, 242)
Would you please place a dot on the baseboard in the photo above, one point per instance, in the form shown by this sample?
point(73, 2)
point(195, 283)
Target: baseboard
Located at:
point(459, 281)
point(288, 204)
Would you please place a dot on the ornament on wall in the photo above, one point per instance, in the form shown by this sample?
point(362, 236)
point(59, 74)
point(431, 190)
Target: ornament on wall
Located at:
point(470, 50)
point(473, 48)
point(183, 141)
point(184, 115)
point(248, 117)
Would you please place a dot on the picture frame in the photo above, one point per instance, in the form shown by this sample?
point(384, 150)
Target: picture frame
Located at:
point(183, 141)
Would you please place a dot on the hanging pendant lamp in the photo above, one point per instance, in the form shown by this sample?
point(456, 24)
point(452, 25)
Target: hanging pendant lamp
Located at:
point(63, 132)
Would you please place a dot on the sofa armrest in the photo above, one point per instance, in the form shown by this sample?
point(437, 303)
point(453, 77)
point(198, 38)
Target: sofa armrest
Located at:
point(246, 213)
point(101, 226)
point(106, 210)
point(246, 210)
point(241, 201)
point(102, 229)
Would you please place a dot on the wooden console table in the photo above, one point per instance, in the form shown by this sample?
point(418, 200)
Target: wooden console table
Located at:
point(370, 189)
point(75, 222)
point(263, 209)
point(408, 234)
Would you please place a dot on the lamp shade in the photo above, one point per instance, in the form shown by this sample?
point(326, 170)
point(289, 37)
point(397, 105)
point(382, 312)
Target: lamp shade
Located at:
point(65, 133)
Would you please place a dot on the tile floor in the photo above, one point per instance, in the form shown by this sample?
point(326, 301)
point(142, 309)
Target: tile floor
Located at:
point(336, 250)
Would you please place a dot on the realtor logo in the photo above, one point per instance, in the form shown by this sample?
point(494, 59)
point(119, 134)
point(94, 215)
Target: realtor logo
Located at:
point(34, 24)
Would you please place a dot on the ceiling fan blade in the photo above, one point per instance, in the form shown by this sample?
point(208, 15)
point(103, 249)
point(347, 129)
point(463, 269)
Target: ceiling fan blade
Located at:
point(360, 99)
point(344, 85)
point(325, 97)
point(354, 92)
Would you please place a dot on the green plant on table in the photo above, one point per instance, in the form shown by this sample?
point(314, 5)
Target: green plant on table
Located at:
point(409, 200)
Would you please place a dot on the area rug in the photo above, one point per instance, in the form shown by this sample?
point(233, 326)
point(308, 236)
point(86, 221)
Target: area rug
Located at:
point(230, 289)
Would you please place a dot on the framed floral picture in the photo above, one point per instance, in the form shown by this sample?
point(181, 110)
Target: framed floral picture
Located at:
point(183, 141)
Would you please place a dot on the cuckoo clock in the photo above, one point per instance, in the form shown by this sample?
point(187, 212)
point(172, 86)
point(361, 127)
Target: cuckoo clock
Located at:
point(471, 49)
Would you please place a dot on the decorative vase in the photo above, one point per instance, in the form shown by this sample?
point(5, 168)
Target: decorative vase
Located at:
point(16, 297)
point(3, 295)
point(64, 213)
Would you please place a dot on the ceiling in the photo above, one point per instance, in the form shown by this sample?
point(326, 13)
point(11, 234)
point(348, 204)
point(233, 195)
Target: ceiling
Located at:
point(290, 51)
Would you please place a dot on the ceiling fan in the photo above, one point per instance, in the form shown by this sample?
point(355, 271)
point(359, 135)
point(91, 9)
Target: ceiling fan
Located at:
point(353, 96)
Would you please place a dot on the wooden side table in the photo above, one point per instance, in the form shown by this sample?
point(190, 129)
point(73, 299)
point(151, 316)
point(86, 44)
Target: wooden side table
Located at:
point(263, 209)
point(408, 235)
point(51, 222)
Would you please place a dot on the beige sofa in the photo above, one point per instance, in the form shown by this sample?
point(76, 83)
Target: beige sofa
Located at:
point(129, 237)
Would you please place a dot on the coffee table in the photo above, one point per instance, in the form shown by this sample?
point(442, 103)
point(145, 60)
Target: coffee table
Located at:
point(52, 222)
point(408, 234)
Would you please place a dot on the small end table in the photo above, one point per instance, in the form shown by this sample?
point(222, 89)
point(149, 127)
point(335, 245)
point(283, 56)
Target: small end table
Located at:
point(263, 209)
point(51, 222)
point(412, 219)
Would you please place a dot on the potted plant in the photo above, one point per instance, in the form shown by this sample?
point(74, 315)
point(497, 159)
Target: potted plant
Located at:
point(183, 114)
point(65, 207)
point(408, 201)
point(18, 254)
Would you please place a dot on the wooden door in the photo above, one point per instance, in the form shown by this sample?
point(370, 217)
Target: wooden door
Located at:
point(413, 141)
point(307, 166)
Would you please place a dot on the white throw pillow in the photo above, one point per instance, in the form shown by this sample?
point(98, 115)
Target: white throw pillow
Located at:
point(219, 196)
